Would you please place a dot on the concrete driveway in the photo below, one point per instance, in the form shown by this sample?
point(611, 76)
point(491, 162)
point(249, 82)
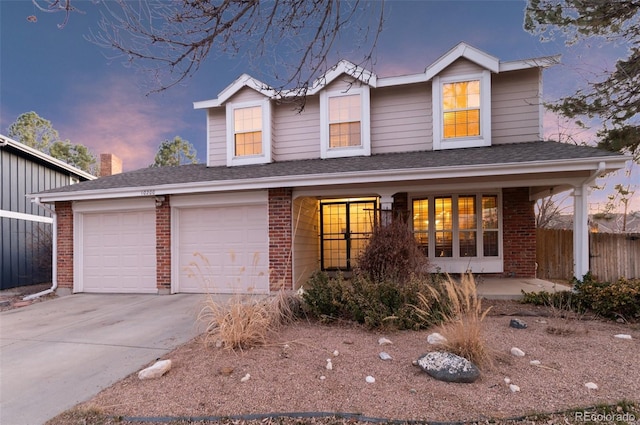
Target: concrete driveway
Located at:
point(61, 352)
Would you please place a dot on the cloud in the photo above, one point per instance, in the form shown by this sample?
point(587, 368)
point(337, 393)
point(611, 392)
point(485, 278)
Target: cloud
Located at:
point(114, 116)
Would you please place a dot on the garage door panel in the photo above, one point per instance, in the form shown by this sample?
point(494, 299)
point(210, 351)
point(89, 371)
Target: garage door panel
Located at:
point(231, 243)
point(118, 253)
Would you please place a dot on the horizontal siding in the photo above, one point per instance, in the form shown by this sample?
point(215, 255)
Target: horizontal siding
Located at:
point(515, 103)
point(461, 67)
point(297, 133)
point(217, 137)
point(401, 119)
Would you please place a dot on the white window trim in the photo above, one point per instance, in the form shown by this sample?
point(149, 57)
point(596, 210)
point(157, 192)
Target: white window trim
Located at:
point(263, 158)
point(484, 139)
point(457, 264)
point(365, 124)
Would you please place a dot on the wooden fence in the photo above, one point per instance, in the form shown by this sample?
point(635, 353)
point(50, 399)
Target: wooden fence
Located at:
point(611, 255)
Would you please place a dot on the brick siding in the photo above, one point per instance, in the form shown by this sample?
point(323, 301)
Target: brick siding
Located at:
point(163, 246)
point(64, 213)
point(519, 233)
point(280, 239)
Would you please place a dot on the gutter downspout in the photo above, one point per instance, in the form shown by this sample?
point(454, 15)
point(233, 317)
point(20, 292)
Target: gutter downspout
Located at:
point(54, 253)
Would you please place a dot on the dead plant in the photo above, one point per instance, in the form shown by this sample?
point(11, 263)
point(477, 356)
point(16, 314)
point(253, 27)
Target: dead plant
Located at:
point(460, 309)
point(246, 321)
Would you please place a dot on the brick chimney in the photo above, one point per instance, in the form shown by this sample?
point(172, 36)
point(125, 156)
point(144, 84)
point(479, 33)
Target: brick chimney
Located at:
point(109, 164)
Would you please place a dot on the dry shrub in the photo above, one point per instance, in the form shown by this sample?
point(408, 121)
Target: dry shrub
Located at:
point(246, 321)
point(460, 310)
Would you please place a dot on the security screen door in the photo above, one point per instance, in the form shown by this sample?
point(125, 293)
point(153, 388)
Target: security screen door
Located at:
point(345, 227)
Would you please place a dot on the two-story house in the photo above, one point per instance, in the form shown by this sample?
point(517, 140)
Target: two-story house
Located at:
point(457, 150)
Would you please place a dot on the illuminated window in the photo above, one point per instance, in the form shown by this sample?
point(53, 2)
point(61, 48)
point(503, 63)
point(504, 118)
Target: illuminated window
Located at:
point(344, 121)
point(461, 109)
point(457, 226)
point(247, 127)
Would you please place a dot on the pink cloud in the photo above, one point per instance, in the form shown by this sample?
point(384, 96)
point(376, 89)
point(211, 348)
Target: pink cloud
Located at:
point(114, 116)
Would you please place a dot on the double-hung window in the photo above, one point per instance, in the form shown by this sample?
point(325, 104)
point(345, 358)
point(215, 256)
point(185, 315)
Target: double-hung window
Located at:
point(345, 122)
point(248, 133)
point(459, 232)
point(462, 111)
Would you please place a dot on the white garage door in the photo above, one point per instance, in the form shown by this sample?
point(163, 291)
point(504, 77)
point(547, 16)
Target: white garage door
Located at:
point(223, 249)
point(119, 252)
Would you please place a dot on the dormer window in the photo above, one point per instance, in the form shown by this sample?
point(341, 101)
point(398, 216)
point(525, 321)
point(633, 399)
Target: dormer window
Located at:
point(248, 133)
point(345, 123)
point(462, 111)
point(247, 130)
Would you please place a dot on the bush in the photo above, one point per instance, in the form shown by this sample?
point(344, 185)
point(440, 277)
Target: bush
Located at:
point(620, 299)
point(392, 254)
point(375, 304)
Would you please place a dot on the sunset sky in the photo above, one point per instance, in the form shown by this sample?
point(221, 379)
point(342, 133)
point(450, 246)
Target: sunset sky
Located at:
point(92, 98)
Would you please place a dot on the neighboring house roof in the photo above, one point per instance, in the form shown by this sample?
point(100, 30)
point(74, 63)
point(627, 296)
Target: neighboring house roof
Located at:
point(462, 50)
point(508, 159)
point(42, 157)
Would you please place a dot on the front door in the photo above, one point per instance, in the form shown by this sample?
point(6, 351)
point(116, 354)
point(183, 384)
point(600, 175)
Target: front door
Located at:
point(345, 228)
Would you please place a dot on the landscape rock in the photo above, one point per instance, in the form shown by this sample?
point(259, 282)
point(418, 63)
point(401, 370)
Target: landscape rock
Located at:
point(245, 378)
point(384, 341)
point(370, 379)
point(385, 356)
point(517, 352)
point(622, 336)
point(436, 339)
point(535, 362)
point(336, 353)
point(591, 385)
point(507, 381)
point(156, 370)
point(329, 365)
point(448, 367)
point(517, 324)
point(514, 388)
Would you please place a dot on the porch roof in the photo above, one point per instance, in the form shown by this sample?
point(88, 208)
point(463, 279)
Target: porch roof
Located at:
point(506, 159)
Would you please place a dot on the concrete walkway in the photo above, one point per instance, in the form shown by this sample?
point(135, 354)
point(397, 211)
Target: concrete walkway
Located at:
point(58, 353)
point(497, 288)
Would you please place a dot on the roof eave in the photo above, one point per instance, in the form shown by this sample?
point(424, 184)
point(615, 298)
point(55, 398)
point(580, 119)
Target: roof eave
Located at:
point(611, 163)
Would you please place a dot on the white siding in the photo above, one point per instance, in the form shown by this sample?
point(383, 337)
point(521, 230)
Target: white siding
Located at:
point(516, 107)
point(297, 134)
point(401, 119)
point(217, 138)
point(306, 256)
point(461, 67)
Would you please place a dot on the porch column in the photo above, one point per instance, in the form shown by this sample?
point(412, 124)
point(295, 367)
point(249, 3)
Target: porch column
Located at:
point(580, 231)
point(386, 206)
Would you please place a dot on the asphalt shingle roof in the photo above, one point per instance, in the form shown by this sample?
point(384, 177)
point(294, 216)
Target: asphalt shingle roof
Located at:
point(498, 154)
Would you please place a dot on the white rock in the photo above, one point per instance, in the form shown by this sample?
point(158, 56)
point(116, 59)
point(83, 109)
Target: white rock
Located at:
point(322, 378)
point(385, 356)
point(591, 385)
point(218, 343)
point(370, 379)
point(623, 336)
point(507, 381)
point(329, 365)
point(436, 339)
point(336, 353)
point(156, 370)
point(245, 378)
point(535, 362)
point(384, 341)
point(517, 352)
point(514, 388)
